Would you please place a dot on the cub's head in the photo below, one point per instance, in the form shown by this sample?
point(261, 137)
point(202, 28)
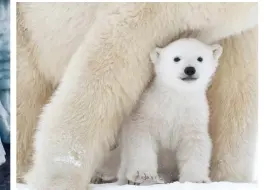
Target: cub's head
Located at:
point(186, 63)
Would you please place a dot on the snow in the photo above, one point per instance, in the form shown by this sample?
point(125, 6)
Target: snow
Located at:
point(173, 186)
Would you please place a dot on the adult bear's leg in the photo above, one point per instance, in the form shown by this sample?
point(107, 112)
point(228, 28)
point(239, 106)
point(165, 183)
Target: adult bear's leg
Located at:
point(99, 88)
point(32, 93)
point(233, 98)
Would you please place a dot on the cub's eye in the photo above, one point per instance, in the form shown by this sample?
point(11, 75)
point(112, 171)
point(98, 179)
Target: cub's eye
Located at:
point(177, 59)
point(200, 59)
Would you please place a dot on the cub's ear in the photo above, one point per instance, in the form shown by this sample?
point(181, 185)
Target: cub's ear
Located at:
point(217, 51)
point(155, 54)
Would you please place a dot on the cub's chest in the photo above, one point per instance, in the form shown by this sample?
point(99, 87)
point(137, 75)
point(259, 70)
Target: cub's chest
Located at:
point(173, 110)
point(171, 116)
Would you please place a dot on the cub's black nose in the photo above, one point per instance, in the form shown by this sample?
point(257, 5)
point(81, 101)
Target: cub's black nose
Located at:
point(189, 71)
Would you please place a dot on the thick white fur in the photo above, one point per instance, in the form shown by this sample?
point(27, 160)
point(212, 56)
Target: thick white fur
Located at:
point(108, 170)
point(172, 114)
point(94, 59)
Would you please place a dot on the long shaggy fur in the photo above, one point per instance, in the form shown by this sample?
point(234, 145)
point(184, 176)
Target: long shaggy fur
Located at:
point(90, 63)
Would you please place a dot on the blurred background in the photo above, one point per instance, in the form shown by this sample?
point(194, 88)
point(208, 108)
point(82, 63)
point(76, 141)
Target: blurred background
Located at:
point(4, 95)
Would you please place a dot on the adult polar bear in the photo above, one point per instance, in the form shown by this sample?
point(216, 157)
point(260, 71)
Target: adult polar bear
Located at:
point(94, 57)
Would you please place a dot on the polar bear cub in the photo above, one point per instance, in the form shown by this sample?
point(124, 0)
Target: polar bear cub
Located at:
point(172, 114)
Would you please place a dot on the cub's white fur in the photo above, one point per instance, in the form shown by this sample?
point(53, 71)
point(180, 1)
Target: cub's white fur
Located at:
point(172, 114)
point(89, 62)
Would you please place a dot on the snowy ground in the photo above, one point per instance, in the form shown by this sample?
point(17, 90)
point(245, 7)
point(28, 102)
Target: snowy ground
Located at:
point(173, 186)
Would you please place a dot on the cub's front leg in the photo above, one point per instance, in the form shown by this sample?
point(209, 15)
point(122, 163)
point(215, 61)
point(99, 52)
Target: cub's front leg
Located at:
point(138, 155)
point(193, 157)
point(107, 172)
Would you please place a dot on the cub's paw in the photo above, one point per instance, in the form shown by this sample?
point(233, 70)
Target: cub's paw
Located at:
point(100, 179)
point(194, 179)
point(96, 180)
point(144, 178)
